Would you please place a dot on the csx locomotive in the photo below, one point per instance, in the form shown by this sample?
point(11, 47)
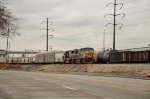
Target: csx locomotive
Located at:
point(83, 55)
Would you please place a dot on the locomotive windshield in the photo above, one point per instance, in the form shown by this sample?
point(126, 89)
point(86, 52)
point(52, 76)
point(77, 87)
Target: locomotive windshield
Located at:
point(87, 49)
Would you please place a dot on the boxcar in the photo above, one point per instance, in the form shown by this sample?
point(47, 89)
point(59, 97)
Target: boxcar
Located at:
point(118, 56)
point(41, 58)
point(49, 57)
point(138, 56)
point(59, 57)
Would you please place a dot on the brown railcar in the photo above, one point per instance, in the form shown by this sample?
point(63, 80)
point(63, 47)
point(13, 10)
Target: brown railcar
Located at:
point(118, 56)
point(138, 56)
point(149, 56)
point(130, 56)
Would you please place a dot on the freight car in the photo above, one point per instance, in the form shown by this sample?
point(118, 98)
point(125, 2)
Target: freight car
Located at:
point(118, 56)
point(40, 58)
point(20, 60)
point(121, 56)
point(49, 57)
point(138, 56)
point(59, 57)
point(103, 56)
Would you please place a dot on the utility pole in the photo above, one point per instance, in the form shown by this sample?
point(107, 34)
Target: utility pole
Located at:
point(115, 4)
point(47, 32)
point(47, 36)
point(114, 35)
point(7, 44)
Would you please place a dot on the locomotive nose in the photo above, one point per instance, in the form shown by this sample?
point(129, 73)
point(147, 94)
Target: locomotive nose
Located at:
point(88, 55)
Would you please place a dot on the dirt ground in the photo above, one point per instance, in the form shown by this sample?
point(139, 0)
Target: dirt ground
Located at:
point(93, 68)
point(124, 70)
point(4, 66)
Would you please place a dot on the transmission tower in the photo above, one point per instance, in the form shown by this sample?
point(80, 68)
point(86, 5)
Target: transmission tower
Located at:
point(115, 4)
point(47, 31)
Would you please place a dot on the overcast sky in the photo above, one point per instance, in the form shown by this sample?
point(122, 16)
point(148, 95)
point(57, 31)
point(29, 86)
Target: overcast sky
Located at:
point(79, 23)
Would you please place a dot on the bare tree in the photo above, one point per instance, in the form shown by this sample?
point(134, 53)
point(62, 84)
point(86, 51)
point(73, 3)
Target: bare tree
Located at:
point(7, 21)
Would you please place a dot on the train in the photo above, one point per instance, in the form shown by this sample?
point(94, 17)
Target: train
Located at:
point(75, 56)
point(123, 56)
point(85, 55)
